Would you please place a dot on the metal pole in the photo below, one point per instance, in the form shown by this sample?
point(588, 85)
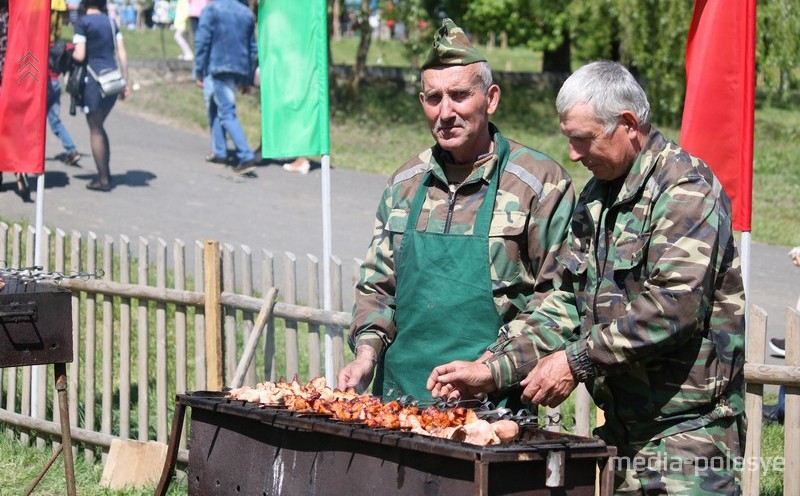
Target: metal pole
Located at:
point(60, 371)
point(37, 260)
point(745, 257)
point(326, 262)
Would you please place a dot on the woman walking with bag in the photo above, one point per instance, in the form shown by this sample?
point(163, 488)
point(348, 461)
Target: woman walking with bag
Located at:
point(98, 43)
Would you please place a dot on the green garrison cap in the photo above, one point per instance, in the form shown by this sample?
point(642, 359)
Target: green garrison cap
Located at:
point(452, 47)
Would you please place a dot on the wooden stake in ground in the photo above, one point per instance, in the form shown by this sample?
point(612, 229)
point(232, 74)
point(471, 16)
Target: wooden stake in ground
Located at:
point(213, 314)
point(250, 347)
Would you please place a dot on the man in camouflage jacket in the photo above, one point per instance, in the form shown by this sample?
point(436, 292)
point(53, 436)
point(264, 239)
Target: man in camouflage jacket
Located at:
point(649, 300)
point(528, 221)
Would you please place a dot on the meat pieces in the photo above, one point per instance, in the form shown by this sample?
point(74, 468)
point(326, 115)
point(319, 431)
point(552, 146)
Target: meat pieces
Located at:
point(457, 423)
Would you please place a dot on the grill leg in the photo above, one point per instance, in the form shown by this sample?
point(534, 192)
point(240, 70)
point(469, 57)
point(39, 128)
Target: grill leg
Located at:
point(172, 450)
point(66, 434)
point(481, 478)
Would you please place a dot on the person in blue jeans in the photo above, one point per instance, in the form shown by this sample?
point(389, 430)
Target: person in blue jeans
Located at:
point(225, 58)
point(72, 156)
point(219, 139)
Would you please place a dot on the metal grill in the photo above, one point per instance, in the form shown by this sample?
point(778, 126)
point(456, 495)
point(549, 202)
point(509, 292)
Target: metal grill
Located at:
point(240, 448)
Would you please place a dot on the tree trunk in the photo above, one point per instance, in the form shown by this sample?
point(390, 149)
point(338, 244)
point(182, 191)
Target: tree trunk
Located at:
point(336, 17)
point(558, 60)
point(332, 85)
point(363, 48)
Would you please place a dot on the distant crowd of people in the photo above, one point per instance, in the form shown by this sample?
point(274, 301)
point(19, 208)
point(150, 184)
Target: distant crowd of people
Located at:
point(129, 14)
point(97, 48)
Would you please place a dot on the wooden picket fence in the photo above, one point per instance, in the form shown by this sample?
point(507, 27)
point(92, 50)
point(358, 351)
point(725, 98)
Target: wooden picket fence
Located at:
point(140, 337)
point(137, 344)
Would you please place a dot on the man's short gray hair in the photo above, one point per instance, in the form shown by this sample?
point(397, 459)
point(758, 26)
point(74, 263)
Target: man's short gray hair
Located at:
point(484, 75)
point(610, 88)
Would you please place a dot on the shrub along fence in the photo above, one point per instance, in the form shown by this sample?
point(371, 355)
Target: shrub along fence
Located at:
point(145, 330)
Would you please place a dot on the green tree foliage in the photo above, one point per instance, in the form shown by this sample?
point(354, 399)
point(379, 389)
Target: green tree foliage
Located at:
point(419, 28)
point(649, 36)
point(537, 24)
point(778, 48)
point(653, 44)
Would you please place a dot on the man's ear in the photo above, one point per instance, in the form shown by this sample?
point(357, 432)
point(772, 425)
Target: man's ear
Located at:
point(493, 99)
point(630, 121)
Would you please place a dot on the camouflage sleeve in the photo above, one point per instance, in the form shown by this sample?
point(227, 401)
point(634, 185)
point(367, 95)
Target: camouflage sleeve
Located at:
point(681, 260)
point(550, 315)
point(374, 307)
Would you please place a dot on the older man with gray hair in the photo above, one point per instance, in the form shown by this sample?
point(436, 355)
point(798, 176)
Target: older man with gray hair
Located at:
point(465, 235)
point(648, 299)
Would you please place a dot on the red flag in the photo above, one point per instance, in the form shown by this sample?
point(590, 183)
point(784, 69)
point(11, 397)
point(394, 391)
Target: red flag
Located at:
point(719, 108)
point(23, 93)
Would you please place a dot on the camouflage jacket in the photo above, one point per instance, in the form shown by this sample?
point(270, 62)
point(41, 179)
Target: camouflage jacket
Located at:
point(534, 201)
point(649, 300)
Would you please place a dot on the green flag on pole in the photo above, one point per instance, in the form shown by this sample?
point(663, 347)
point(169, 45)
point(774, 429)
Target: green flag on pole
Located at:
point(293, 60)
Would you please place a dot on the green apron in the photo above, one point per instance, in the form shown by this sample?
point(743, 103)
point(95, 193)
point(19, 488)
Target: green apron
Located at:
point(445, 308)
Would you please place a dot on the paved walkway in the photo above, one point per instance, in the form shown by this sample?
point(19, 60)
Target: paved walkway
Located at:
point(164, 189)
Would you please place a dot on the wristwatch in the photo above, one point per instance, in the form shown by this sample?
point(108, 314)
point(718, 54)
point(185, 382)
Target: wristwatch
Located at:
point(578, 360)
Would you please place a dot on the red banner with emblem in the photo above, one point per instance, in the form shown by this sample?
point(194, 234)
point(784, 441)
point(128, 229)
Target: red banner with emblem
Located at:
point(23, 91)
point(718, 112)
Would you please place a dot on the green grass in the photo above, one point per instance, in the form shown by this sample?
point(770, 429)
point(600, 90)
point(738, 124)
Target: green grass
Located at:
point(772, 460)
point(20, 465)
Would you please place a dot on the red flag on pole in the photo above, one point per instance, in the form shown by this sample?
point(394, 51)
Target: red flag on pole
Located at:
point(23, 92)
point(719, 108)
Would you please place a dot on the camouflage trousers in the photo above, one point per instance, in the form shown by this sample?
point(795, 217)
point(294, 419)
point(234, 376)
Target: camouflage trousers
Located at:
point(705, 461)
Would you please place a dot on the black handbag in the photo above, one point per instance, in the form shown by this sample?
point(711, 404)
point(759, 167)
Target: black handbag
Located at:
point(76, 80)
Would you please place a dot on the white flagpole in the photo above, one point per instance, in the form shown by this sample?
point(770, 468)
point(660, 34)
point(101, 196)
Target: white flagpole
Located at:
point(326, 263)
point(745, 257)
point(37, 260)
point(37, 247)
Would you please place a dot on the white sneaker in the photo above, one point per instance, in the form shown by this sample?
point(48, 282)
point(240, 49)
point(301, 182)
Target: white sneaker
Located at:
point(778, 346)
point(301, 165)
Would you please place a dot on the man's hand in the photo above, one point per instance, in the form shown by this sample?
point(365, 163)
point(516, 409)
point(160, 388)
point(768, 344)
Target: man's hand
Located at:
point(460, 379)
point(199, 82)
point(550, 382)
point(358, 373)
